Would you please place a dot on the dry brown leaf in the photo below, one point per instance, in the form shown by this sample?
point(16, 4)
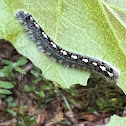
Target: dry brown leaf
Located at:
point(58, 115)
point(8, 123)
point(71, 117)
point(50, 124)
point(89, 117)
point(41, 117)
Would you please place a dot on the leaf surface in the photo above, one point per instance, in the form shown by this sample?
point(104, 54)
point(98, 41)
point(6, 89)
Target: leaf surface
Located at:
point(84, 27)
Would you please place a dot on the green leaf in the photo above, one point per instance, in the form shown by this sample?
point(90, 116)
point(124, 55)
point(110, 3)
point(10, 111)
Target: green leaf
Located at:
point(46, 87)
point(29, 88)
point(10, 99)
point(73, 101)
point(5, 84)
point(83, 27)
point(22, 61)
point(7, 62)
point(118, 9)
point(11, 112)
point(91, 109)
point(37, 80)
point(4, 91)
point(11, 105)
point(117, 121)
point(21, 109)
point(20, 70)
point(41, 94)
point(6, 71)
point(2, 96)
point(34, 73)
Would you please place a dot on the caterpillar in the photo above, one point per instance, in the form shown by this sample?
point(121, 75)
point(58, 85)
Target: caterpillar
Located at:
point(58, 54)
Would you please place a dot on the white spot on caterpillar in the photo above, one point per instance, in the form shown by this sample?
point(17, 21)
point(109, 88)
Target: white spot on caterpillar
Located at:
point(94, 63)
point(85, 60)
point(36, 25)
point(54, 45)
point(110, 74)
point(74, 56)
point(44, 34)
point(63, 52)
point(102, 68)
point(31, 18)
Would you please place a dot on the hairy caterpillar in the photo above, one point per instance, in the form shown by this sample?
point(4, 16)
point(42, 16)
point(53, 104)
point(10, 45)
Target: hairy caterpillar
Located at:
point(46, 45)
